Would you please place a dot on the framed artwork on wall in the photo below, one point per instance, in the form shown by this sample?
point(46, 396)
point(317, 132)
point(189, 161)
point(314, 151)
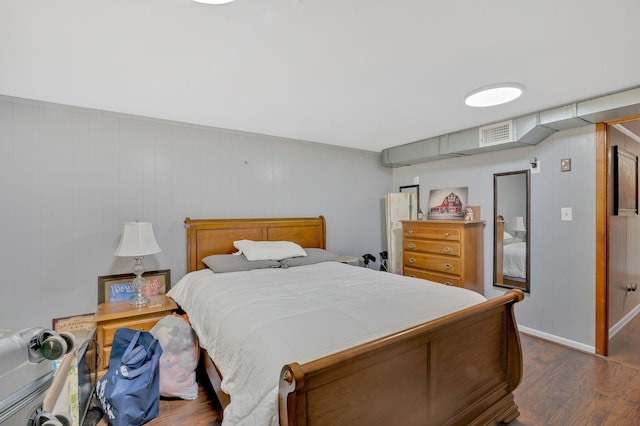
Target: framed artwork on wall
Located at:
point(412, 189)
point(625, 182)
point(447, 203)
point(116, 288)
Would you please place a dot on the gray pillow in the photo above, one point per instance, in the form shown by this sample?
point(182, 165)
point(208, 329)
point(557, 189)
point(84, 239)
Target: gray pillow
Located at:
point(231, 263)
point(314, 255)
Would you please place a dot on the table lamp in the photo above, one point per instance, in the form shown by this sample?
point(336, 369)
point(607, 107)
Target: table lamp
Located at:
point(137, 241)
point(518, 224)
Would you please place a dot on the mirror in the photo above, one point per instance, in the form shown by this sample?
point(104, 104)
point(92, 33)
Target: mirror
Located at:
point(511, 230)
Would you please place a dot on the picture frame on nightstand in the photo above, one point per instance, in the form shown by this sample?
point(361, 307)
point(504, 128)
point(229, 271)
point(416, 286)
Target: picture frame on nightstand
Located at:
point(78, 325)
point(117, 288)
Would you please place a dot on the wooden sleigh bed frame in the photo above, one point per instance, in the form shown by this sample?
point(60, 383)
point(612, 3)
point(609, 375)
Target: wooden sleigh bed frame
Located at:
point(458, 369)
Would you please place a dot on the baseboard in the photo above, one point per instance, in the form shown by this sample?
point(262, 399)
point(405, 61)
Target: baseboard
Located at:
point(560, 340)
point(624, 321)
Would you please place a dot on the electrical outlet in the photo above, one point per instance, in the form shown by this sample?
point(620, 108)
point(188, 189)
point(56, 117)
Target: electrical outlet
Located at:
point(416, 180)
point(566, 213)
point(565, 165)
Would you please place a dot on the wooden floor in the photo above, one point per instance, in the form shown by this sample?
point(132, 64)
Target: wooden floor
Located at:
point(624, 347)
point(561, 386)
point(178, 412)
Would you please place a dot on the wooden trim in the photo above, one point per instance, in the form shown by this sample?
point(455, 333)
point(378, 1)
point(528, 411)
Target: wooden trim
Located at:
point(356, 385)
point(622, 120)
point(206, 237)
point(602, 232)
point(499, 251)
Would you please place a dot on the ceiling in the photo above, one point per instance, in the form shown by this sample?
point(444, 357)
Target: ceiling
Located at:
point(366, 74)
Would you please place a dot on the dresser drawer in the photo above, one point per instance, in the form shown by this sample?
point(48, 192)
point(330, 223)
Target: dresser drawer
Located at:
point(107, 331)
point(449, 233)
point(447, 264)
point(433, 276)
point(430, 246)
point(112, 316)
point(105, 354)
point(143, 324)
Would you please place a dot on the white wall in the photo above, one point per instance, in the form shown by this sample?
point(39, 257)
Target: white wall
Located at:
point(69, 177)
point(561, 304)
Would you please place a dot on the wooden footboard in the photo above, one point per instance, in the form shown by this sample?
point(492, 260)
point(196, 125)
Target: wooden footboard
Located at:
point(458, 369)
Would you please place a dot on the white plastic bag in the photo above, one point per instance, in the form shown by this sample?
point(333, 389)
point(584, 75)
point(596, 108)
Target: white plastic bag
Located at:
point(180, 354)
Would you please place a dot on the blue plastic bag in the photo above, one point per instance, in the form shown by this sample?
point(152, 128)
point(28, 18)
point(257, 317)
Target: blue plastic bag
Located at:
point(129, 392)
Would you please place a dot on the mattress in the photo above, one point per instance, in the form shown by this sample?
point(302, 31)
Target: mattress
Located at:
point(252, 323)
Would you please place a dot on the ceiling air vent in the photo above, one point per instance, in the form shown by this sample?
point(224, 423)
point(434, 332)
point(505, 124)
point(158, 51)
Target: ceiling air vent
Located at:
point(496, 134)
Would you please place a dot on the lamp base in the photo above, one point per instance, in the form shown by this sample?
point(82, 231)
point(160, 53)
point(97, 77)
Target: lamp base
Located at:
point(138, 284)
point(138, 300)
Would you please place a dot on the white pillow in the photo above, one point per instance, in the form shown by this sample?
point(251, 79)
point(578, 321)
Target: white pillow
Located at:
point(268, 250)
point(506, 235)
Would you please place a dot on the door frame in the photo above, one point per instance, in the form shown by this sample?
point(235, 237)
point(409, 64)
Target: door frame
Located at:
point(603, 185)
point(602, 238)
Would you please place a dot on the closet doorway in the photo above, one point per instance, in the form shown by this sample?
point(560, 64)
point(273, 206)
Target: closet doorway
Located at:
point(616, 249)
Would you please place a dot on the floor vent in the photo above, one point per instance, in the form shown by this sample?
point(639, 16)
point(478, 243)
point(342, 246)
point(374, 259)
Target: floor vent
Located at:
point(496, 134)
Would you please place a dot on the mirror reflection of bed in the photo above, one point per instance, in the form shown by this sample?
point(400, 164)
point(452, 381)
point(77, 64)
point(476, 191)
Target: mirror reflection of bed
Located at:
point(511, 265)
point(511, 225)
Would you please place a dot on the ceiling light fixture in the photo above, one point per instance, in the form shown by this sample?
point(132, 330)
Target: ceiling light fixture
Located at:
point(495, 94)
point(213, 1)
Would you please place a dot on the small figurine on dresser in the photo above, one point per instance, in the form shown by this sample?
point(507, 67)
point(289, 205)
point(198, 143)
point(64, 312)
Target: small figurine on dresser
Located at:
point(468, 214)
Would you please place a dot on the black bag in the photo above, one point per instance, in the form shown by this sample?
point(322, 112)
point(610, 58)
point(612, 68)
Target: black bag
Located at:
point(129, 392)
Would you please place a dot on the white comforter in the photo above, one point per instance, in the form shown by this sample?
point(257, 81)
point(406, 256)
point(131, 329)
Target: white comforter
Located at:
point(514, 262)
point(253, 323)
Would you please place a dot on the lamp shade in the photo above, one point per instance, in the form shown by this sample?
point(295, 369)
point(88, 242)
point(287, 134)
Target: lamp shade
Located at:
point(137, 240)
point(518, 223)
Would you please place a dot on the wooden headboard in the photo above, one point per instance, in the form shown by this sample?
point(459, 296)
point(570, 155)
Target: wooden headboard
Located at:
point(216, 236)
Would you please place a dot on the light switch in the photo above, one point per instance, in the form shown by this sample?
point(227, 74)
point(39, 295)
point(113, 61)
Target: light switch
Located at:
point(566, 213)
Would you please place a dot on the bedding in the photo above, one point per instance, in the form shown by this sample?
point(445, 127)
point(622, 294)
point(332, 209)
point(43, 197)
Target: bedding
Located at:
point(300, 314)
point(268, 250)
point(233, 263)
point(314, 255)
point(514, 256)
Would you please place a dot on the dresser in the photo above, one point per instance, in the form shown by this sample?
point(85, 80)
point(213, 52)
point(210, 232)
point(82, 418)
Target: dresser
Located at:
point(445, 251)
point(112, 316)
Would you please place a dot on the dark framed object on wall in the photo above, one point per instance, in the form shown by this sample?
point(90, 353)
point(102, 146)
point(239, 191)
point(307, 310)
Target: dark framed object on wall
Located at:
point(625, 182)
point(116, 288)
point(412, 189)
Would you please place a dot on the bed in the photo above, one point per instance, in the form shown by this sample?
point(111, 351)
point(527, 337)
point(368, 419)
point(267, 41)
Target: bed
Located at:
point(460, 368)
point(511, 257)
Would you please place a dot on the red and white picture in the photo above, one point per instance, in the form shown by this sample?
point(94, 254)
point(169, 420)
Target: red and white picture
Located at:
point(448, 203)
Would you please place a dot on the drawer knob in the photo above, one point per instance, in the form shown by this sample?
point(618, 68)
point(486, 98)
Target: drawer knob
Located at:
point(447, 249)
point(447, 266)
point(412, 245)
point(412, 260)
point(446, 234)
point(447, 283)
point(411, 231)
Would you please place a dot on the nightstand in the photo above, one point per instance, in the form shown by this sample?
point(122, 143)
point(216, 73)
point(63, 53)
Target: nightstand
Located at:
point(112, 316)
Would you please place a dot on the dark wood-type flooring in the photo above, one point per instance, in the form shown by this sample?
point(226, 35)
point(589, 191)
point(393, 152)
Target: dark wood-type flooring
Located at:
point(561, 386)
point(624, 347)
